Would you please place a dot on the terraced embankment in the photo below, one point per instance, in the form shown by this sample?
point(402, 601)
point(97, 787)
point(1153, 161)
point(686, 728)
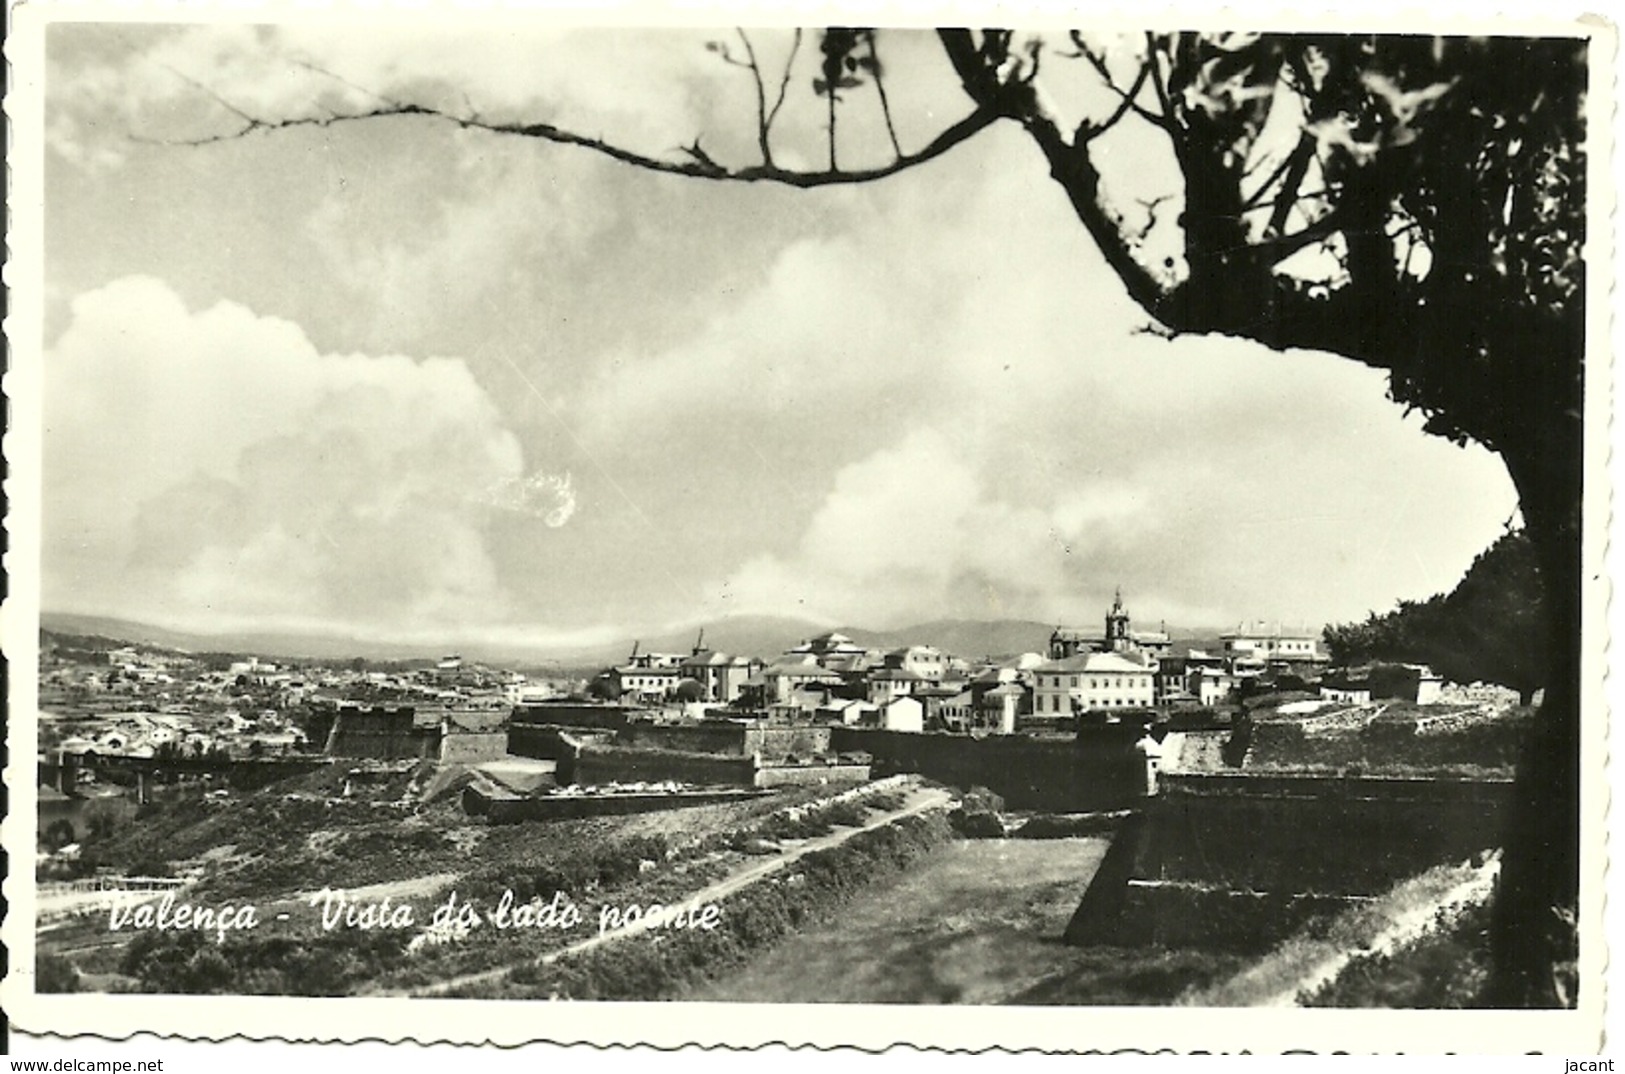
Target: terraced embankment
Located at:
point(578, 969)
point(977, 921)
point(1310, 961)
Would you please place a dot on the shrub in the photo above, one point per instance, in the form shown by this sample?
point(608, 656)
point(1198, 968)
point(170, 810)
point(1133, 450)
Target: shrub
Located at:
point(330, 964)
point(885, 801)
point(1448, 968)
point(849, 814)
point(58, 834)
point(54, 973)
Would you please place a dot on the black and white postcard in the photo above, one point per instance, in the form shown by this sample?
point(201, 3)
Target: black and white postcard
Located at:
point(1015, 537)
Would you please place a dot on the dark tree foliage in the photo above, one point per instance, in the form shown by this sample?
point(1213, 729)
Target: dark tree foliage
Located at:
point(1423, 213)
point(1490, 628)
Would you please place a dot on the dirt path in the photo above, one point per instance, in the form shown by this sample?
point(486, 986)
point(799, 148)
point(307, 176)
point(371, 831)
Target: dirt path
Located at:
point(919, 801)
point(61, 909)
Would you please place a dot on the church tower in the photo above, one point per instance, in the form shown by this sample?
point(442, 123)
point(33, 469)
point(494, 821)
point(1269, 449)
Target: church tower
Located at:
point(1117, 633)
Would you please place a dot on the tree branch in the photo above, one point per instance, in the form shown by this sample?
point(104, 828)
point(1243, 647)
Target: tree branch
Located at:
point(1127, 99)
point(761, 97)
point(1277, 248)
point(829, 93)
point(253, 122)
point(1070, 165)
point(700, 166)
point(880, 88)
point(1157, 81)
point(1234, 290)
point(784, 82)
point(1297, 168)
point(1150, 206)
point(341, 80)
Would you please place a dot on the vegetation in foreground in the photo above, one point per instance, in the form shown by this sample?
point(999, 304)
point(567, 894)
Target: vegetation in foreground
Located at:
point(1423, 944)
point(661, 966)
point(1132, 976)
point(276, 843)
point(1446, 968)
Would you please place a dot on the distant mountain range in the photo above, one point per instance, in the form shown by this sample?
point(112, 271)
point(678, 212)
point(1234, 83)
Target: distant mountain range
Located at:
point(761, 636)
point(311, 646)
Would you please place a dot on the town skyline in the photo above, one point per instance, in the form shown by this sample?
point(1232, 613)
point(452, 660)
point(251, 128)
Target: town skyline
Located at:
point(750, 635)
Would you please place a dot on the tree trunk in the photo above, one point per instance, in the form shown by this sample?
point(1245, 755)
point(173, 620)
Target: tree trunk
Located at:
point(1532, 931)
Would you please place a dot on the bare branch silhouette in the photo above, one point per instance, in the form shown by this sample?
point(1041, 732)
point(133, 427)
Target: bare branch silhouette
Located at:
point(880, 89)
point(784, 82)
point(700, 165)
point(1127, 99)
point(253, 122)
point(761, 97)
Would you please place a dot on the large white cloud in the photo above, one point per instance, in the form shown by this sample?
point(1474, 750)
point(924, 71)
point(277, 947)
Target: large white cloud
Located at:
point(992, 438)
point(211, 465)
point(1212, 481)
point(915, 530)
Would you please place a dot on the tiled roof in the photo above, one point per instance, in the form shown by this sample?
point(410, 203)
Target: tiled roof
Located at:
point(807, 670)
point(1092, 663)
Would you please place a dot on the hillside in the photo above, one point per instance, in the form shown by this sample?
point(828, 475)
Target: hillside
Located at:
point(305, 646)
point(963, 637)
point(759, 636)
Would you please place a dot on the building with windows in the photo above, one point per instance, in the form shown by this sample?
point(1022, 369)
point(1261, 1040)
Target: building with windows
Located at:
point(1256, 647)
point(1209, 686)
point(780, 679)
point(889, 683)
point(924, 661)
point(1094, 681)
point(646, 683)
point(721, 677)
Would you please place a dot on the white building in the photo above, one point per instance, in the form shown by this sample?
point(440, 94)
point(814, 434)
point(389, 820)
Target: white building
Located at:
point(791, 673)
point(1209, 686)
point(891, 683)
point(1090, 681)
point(826, 647)
point(903, 714)
point(1263, 644)
point(650, 683)
point(1353, 693)
point(922, 660)
point(848, 711)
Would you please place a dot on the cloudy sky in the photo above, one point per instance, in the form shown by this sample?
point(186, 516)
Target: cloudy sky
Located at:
point(399, 380)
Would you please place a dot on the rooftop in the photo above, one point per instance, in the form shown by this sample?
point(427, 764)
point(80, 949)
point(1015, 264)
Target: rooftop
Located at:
point(1264, 630)
point(1094, 664)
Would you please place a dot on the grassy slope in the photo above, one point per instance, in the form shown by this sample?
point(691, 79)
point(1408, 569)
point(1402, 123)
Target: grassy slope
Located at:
point(1383, 935)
